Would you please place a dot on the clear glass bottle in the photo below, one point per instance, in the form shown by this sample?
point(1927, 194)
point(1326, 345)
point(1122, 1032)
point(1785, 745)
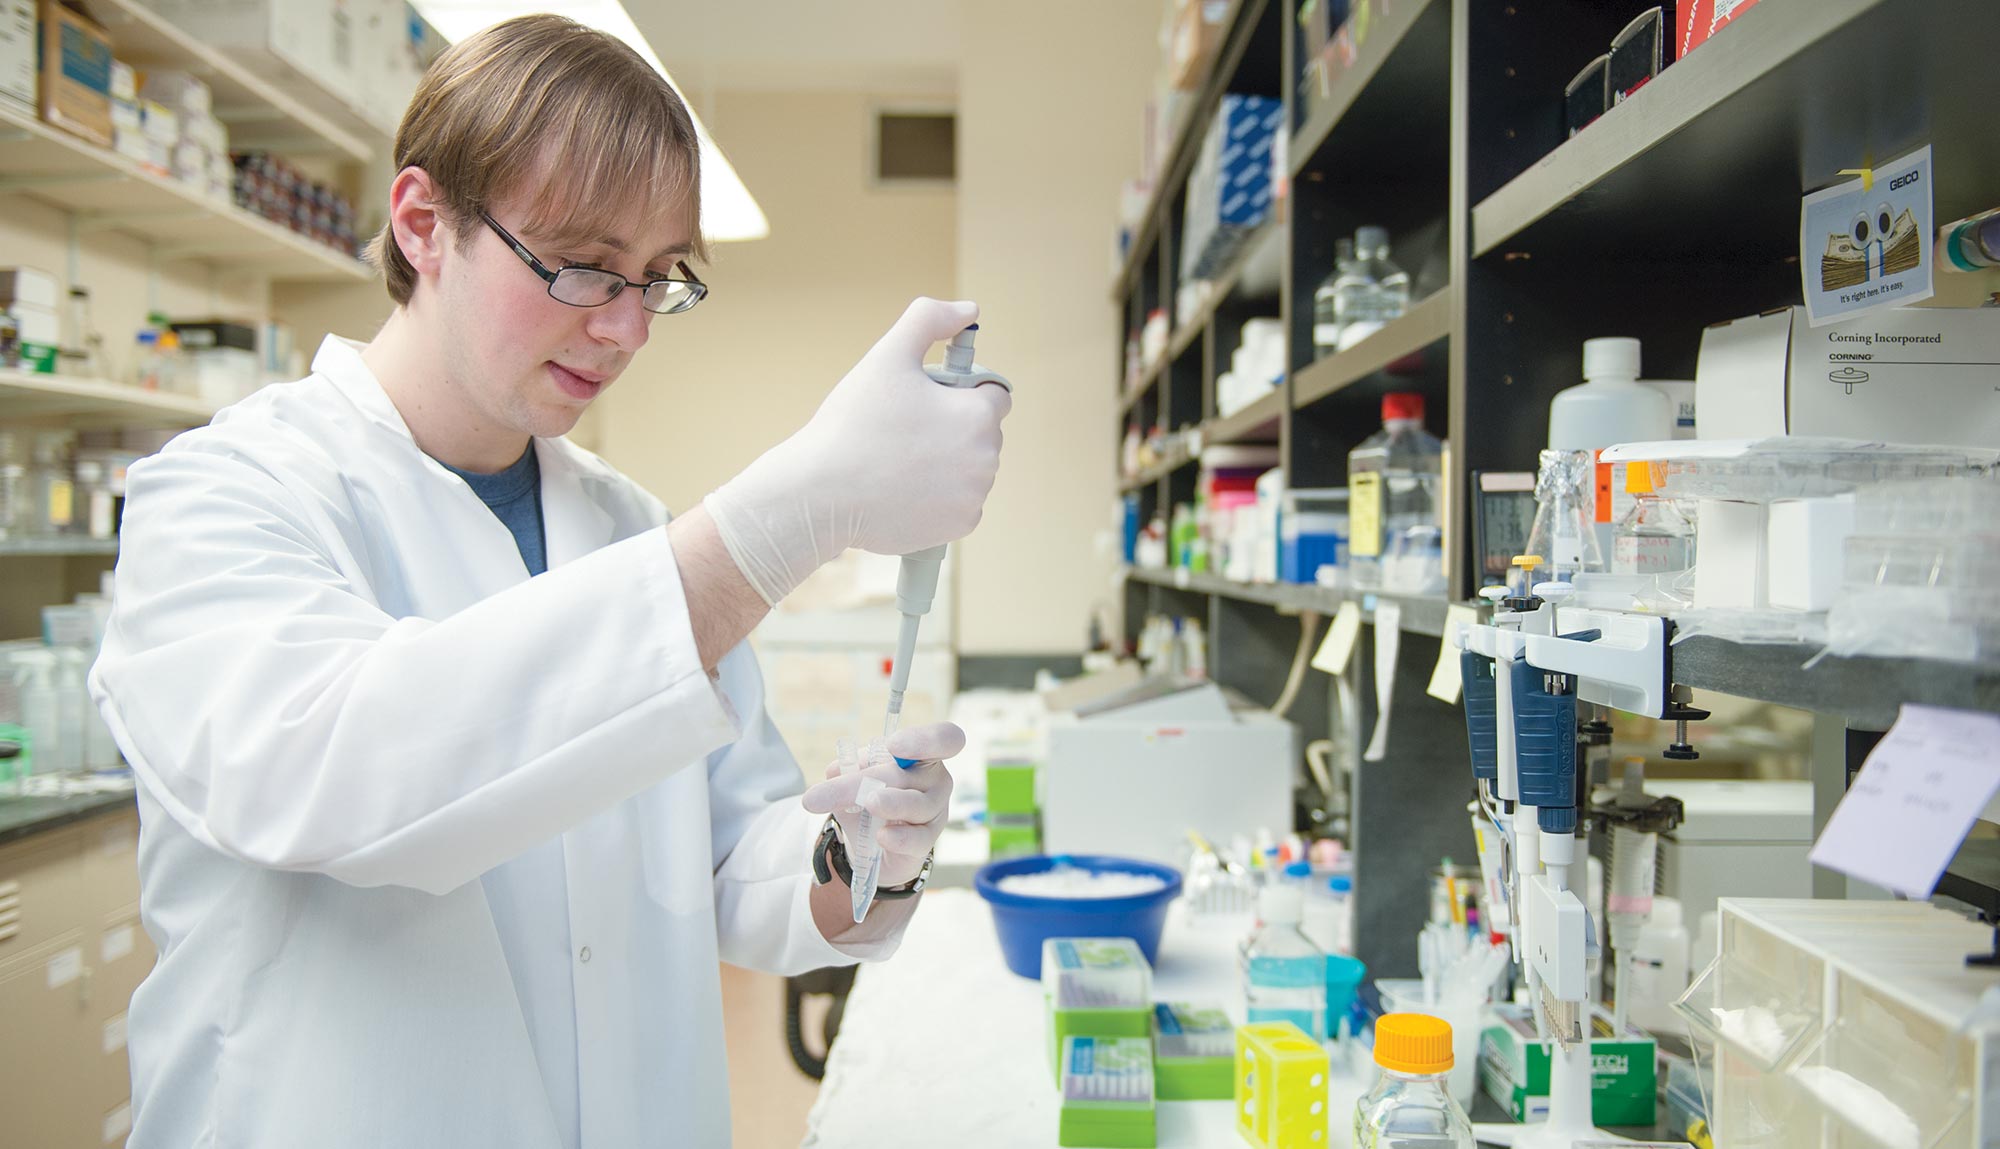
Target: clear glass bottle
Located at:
point(1375, 291)
point(1284, 973)
point(1393, 481)
point(1326, 323)
point(1564, 535)
point(50, 485)
point(82, 348)
point(1411, 1105)
point(1653, 537)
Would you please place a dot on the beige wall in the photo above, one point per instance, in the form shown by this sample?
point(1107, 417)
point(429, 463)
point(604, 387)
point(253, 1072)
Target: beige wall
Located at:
point(1050, 101)
point(790, 314)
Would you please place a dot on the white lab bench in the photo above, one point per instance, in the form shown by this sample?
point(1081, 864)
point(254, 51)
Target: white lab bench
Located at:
point(944, 1046)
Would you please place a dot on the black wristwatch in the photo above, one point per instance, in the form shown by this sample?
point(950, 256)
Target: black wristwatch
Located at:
point(830, 858)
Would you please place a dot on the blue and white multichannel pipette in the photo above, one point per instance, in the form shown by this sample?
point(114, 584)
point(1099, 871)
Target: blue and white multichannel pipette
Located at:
point(916, 583)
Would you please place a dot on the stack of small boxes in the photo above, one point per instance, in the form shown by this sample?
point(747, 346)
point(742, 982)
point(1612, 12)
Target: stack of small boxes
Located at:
point(1229, 192)
point(1193, 1053)
point(1097, 991)
point(167, 124)
point(1013, 826)
point(29, 298)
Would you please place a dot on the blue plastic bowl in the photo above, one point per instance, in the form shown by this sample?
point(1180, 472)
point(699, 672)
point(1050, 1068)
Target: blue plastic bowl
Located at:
point(1024, 921)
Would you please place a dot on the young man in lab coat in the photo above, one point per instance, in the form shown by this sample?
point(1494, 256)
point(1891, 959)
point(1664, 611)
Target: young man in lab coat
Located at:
point(437, 853)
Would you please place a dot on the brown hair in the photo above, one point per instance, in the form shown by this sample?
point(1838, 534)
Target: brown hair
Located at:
point(545, 94)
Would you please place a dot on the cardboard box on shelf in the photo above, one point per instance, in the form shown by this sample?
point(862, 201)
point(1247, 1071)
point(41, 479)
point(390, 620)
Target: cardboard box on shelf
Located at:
point(1921, 375)
point(75, 73)
point(159, 122)
point(1196, 37)
point(40, 335)
point(181, 91)
point(1700, 19)
point(284, 40)
point(17, 51)
point(124, 82)
point(29, 285)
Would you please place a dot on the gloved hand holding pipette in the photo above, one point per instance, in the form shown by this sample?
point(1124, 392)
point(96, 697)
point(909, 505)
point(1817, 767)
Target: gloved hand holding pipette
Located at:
point(891, 463)
point(908, 811)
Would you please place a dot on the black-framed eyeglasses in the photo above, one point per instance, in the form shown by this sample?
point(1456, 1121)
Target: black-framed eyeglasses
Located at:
point(595, 287)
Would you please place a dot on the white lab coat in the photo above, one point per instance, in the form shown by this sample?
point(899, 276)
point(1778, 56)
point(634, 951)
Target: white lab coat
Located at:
point(345, 702)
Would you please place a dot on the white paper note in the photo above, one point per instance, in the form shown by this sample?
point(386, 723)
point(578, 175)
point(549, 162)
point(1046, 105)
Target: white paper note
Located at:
point(1914, 800)
point(1337, 648)
point(1388, 643)
point(1445, 683)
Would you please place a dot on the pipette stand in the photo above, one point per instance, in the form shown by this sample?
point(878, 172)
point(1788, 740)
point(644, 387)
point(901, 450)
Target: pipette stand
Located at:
point(1543, 652)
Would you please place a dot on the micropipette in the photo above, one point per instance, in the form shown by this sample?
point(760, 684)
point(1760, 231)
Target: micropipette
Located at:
point(916, 582)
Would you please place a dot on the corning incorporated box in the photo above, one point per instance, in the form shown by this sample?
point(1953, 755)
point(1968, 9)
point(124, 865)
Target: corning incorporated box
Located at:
point(1920, 375)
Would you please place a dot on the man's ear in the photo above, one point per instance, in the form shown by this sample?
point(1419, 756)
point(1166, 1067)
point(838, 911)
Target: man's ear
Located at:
point(416, 220)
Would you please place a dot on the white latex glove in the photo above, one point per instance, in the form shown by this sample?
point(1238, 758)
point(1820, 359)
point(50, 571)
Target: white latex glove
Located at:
point(893, 462)
point(910, 810)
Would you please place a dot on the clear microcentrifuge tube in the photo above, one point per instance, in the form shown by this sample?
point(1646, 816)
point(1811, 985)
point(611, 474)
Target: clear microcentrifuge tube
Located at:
point(863, 855)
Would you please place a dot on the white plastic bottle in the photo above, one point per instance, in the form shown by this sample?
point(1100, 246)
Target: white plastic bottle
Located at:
point(1393, 480)
point(1609, 407)
point(72, 708)
point(1658, 973)
point(1326, 318)
point(1411, 1104)
point(34, 671)
point(1284, 973)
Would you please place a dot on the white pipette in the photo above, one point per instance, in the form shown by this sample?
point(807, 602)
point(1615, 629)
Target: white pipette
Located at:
point(916, 582)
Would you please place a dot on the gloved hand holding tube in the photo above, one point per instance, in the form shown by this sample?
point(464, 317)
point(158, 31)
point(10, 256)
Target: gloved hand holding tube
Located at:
point(910, 807)
point(891, 463)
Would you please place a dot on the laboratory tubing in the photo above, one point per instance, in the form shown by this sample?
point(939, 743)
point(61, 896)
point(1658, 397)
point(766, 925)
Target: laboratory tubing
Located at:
point(1410, 1105)
point(1393, 479)
point(1371, 293)
point(1284, 973)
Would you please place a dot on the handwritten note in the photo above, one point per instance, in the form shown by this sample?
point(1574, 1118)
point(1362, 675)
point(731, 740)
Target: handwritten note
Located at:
point(1445, 684)
point(1388, 643)
point(1337, 649)
point(1914, 800)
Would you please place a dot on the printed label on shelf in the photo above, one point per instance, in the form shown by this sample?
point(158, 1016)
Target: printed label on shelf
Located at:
point(1337, 649)
point(1914, 800)
point(1445, 684)
point(1866, 244)
point(1364, 514)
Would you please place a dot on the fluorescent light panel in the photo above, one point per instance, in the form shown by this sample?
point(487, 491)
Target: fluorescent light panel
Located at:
point(729, 212)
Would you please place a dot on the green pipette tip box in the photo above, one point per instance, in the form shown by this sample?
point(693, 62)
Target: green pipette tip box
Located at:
point(1194, 1053)
point(1095, 987)
point(1107, 1093)
point(1010, 836)
point(1010, 788)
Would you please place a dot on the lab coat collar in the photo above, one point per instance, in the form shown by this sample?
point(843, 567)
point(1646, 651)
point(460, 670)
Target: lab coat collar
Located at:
point(574, 523)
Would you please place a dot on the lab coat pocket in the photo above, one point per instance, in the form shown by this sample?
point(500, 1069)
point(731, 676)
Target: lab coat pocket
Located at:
point(674, 843)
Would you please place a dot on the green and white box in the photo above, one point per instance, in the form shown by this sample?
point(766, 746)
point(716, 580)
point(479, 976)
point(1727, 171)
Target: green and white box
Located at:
point(1514, 1069)
point(1107, 1093)
point(1194, 1053)
point(1095, 987)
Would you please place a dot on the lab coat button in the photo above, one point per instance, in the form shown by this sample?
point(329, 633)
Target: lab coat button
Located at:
point(583, 954)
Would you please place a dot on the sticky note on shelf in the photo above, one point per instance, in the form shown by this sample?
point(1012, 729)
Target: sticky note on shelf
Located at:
point(1914, 800)
point(1337, 649)
point(1388, 644)
point(1445, 684)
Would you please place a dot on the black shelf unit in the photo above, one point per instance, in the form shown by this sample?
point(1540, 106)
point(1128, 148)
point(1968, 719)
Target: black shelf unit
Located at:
point(1677, 209)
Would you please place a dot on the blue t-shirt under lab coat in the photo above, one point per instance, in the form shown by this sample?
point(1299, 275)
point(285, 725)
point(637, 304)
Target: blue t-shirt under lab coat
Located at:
point(515, 497)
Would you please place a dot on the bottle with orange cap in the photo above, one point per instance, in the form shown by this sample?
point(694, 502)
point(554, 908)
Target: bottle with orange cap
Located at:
point(1411, 1106)
point(1653, 537)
